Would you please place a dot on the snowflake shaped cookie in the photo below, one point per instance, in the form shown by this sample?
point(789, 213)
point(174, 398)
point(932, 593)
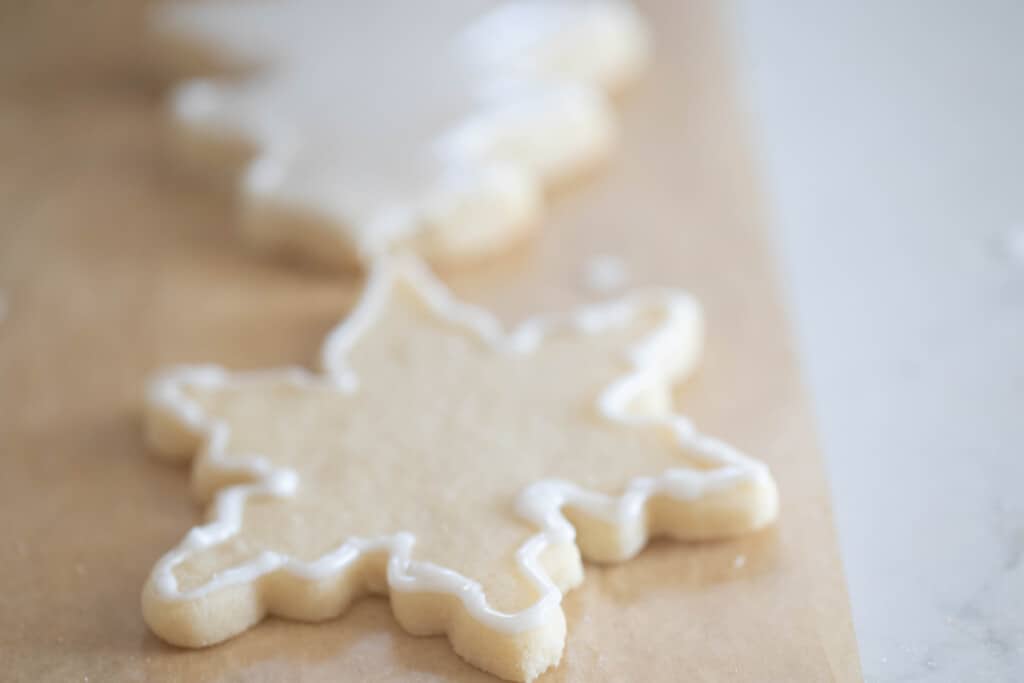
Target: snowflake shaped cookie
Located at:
point(369, 124)
point(459, 468)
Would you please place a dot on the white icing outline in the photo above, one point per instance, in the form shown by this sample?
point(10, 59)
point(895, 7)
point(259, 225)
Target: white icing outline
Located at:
point(521, 94)
point(540, 503)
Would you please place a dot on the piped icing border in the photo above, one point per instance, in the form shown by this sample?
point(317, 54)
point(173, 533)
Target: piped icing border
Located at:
point(655, 364)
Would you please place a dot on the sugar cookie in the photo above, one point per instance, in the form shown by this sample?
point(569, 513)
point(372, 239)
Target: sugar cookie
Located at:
point(454, 466)
point(368, 124)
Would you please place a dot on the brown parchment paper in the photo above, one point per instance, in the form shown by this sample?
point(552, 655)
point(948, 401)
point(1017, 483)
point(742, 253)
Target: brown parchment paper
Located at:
point(113, 263)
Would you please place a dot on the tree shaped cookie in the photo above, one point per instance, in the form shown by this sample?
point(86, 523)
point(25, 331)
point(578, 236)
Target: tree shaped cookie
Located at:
point(458, 468)
point(366, 124)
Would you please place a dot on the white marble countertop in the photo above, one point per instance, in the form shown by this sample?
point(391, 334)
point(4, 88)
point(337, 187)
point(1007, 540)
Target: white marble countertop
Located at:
point(892, 139)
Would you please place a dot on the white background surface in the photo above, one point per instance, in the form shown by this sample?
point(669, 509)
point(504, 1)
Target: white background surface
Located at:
point(891, 136)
